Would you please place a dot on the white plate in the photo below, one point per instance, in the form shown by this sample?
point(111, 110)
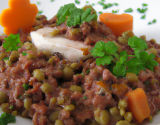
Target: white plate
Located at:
point(140, 26)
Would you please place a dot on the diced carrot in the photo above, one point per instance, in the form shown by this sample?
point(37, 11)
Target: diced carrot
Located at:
point(21, 14)
point(137, 104)
point(117, 23)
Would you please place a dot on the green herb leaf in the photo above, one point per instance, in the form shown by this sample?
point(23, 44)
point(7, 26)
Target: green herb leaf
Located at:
point(105, 6)
point(154, 21)
point(115, 11)
point(87, 1)
point(101, 3)
point(86, 16)
point(104, 60)
point(25, 86)
point(93, 4)
point(143, 17)
point(52, 0)
point(133, 88)
point(11, 107)
point(40, 12)
point(12, 42)
point(38, 3)
point(77, 1)
point(116, 4)
point(128, 10)
point(24, 53)
point(119, 70)
point(142, 10)
point(110, 48)
point(6, 118)
point(100, 12)
point(98, 49)
point(144, 4)
point(88, 71)
point(149, 23)
point(75, 17)
point(137, 43)
point(5, 58)
point(85, 97)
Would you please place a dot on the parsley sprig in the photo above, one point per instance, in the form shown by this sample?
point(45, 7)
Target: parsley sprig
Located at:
point(6, 118)
point(76, 16)
point(106, 53)
point(12, 42)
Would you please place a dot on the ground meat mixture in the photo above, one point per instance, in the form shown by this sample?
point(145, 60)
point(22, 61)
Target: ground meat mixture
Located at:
point(51, 90)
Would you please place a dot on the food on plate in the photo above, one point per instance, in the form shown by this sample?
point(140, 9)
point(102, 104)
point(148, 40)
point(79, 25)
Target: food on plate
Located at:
point(118, 23)
point(106, 79)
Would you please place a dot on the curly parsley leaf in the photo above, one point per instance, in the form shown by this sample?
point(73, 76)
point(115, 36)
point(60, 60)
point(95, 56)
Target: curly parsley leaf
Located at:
point(5, 58)
point(12, 42)
point(119, 70)
point(64, 11)
point(75, 17)
point(143, 16)
point(137, 43)
point(110, 48)
point(6, 118)
point(104, 60)
point(105, 52)
point(98, 49)
point(86, 16)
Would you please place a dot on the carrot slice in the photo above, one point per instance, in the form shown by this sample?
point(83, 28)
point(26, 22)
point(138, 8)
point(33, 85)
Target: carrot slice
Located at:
point(21, 14)
point(137, 104)
point(117, 23)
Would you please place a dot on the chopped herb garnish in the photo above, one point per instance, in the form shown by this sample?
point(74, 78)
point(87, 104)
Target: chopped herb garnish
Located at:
point(25, 86)
point(105, 6)
point(52, 0)
point(77, 1)
point(154, 21)
point(144, 4)
point(149, 23)
point(6, 118)
point(101, 3)
point(103, 0)
point(87, 1)
point(83, 75)
point(100, 12)
point(5, 58)
point(146, 82)
point(85, 97)
point(106, 19)
point(11, 107)
point(40, 12)
point(88, 71)
point(143, 17)
point(93, 4)
point(142, 10)
point(104, 37)
point(115, 11)
point(129, 10)
point(24, 53)
point(38, 3)
point(116, 4)
point(12, 42)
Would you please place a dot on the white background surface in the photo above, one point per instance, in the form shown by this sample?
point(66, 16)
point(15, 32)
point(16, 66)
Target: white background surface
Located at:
point(140, 26)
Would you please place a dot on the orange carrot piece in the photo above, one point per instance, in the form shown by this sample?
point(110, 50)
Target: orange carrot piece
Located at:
point(117, 23)
point(21, 14)
point(137, 104)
